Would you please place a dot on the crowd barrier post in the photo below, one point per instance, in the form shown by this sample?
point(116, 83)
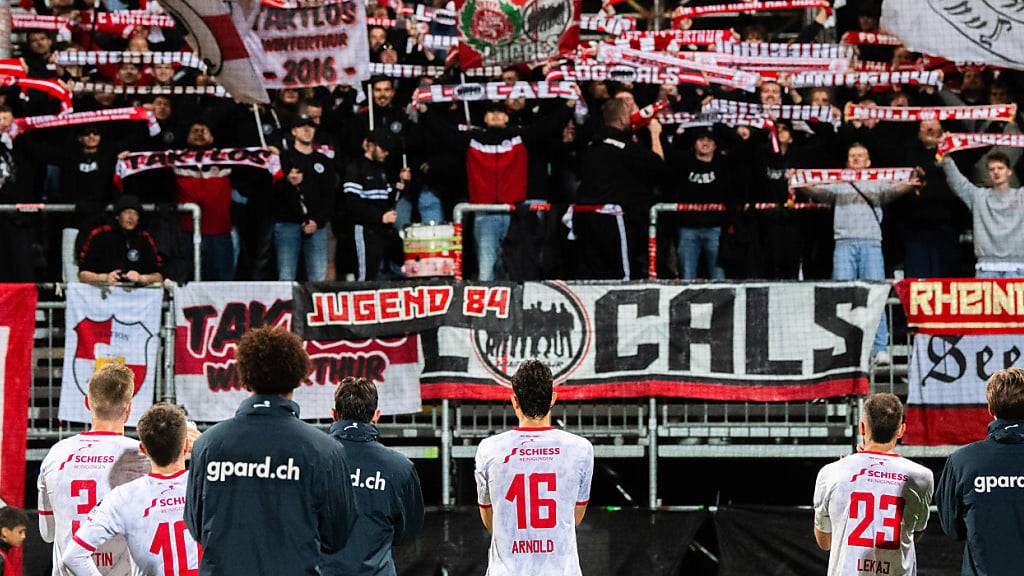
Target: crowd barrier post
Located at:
point(446, 454)
point(458, 214)
point(192, 208)
point(652, 453)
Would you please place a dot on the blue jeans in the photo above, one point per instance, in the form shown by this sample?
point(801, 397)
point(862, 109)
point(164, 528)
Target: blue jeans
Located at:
point(428, 204)
point(218, 254)
point(289, 241)
point(857, 260)
point(697, 243)
point(489, 232)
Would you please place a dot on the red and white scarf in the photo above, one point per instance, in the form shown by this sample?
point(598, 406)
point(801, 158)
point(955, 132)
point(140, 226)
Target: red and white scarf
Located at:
point(415, 70)
point(423, 13)
point(772, 64)
point(115, 21)
point(994, 112)
point(739, 7)
point(614, 25)
point(435, 41)
point(50, 87)
point(22, 20)
point(12, 67)
point(874, 79)
point(100, 57)
point(957, 141)
point(715, 74)
point(874, 38)
point(682, 37)
point(775, 50)
point(624, 73)
point(691, 120)
point(138, 162)
point(494, 91)
point(100, 87)
point(139, 113)
point(819, 176)
point(785, 112)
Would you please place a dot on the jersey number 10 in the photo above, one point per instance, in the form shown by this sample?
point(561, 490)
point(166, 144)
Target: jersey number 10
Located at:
point(885, 503)
point(162, 547)
point(542, 510)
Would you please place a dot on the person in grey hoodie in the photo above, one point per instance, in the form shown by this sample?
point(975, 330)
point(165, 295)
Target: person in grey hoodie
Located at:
point(998, 214)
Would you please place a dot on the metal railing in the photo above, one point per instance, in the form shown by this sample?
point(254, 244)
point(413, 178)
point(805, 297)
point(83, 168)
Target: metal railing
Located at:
point(190, 207)
point(450, 430)
point(463, 208)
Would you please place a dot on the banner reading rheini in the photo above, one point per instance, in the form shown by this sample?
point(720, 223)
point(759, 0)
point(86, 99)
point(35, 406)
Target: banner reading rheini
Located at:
point(964, 305)
point(316, 45)
point(17, 323)
point(505, 32)
point(211, 318)
point(109, 324)
point(756, 341)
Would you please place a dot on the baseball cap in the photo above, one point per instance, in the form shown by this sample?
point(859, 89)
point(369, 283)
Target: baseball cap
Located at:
point(125, 202)
point(303, 120)
point(383, 138)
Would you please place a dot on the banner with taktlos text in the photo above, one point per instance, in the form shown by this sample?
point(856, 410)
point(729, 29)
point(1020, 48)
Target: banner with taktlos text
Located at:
point(946, 401)
point(963, 305)
point(752, 341)
point(318, 44)
point(104, 325)
point(212, 317)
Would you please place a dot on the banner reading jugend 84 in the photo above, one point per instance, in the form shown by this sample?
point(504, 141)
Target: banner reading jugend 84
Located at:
point(756, 341)
point(505, 32)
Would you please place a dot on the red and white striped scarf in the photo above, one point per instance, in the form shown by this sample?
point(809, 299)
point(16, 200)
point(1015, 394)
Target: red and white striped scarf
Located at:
point(22, 20)
point(722, 75)
point(994, 112)
point(52, 88)
point(99, 57)
point(681, 37)
point(139, 113)
point(415, 70)
point(958, 141)
point(786, 111)
point(99, 87)
point(775, 50)
point(435, 41)
point(624, 73)
point(818, 176)
point(874, 79)
point(109, 21)
point(874, 38)
point(773, 64)
point(138, 162)
point(494, 91)
point(739, 7)
point(614, 25)
point(12, 67)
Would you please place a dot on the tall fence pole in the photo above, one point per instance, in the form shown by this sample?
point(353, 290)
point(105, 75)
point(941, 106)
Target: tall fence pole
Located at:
point(446, 454)
point(652, 454)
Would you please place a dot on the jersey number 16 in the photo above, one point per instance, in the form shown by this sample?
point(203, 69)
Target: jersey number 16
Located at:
point(542, 510)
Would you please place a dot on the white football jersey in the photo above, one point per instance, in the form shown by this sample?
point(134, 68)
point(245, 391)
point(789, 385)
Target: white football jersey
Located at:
point(872, 504)
point(75, 475)
point(149, 512)
point(534, 478)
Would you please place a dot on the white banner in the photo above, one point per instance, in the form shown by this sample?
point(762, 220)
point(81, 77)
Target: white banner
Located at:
point(953, 370)
point(104, 325)
point(312, 46)
point(961, 30)
point(210, 318)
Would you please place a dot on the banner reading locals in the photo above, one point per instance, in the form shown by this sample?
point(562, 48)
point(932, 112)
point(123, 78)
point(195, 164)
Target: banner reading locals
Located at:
point(105, 325)
point(504, 32)
point(211, 318)
point(767, 342)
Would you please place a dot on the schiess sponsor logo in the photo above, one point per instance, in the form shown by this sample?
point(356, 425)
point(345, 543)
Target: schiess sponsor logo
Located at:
point(985, 484)
point(532, 454)
point(221, 471)
point(879, 474)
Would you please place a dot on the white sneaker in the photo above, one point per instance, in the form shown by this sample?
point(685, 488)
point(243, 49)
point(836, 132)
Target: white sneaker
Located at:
point(883, 359)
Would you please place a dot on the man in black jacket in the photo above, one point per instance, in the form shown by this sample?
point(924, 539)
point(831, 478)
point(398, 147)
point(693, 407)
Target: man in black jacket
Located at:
point(370, 199)
point(304, 206)
point(268, 491)
point(980, 494)
point(387, 488)
point(122, 252)
point(618, 175)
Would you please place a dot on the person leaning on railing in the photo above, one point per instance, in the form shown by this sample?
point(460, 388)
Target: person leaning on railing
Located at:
point(121, 252)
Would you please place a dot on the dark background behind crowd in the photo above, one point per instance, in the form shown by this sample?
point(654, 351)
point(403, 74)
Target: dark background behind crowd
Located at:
point(923, 233)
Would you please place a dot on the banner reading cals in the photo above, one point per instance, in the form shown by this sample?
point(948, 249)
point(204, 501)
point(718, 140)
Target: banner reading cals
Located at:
point(403, 304)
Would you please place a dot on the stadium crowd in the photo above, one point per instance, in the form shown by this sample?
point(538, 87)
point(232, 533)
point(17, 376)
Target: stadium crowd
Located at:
point(348, 189)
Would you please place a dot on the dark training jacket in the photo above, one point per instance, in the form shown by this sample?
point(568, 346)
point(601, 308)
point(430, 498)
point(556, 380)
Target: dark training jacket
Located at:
point(980, 497)
point(265, 495)
point(387, 490)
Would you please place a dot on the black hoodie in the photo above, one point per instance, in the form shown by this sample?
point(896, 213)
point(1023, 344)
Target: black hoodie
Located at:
point(980, 497)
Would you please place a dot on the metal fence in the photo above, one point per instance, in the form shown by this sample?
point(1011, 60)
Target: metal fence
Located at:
point(450, 430)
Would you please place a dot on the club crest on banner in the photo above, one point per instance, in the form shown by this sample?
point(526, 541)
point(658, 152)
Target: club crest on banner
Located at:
point(101, 342)
point(550, 324)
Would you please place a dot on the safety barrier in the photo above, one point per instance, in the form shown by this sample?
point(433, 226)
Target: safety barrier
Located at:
point(657, 209)
point(450, 430)
point(189, 207)
point(463, 208)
